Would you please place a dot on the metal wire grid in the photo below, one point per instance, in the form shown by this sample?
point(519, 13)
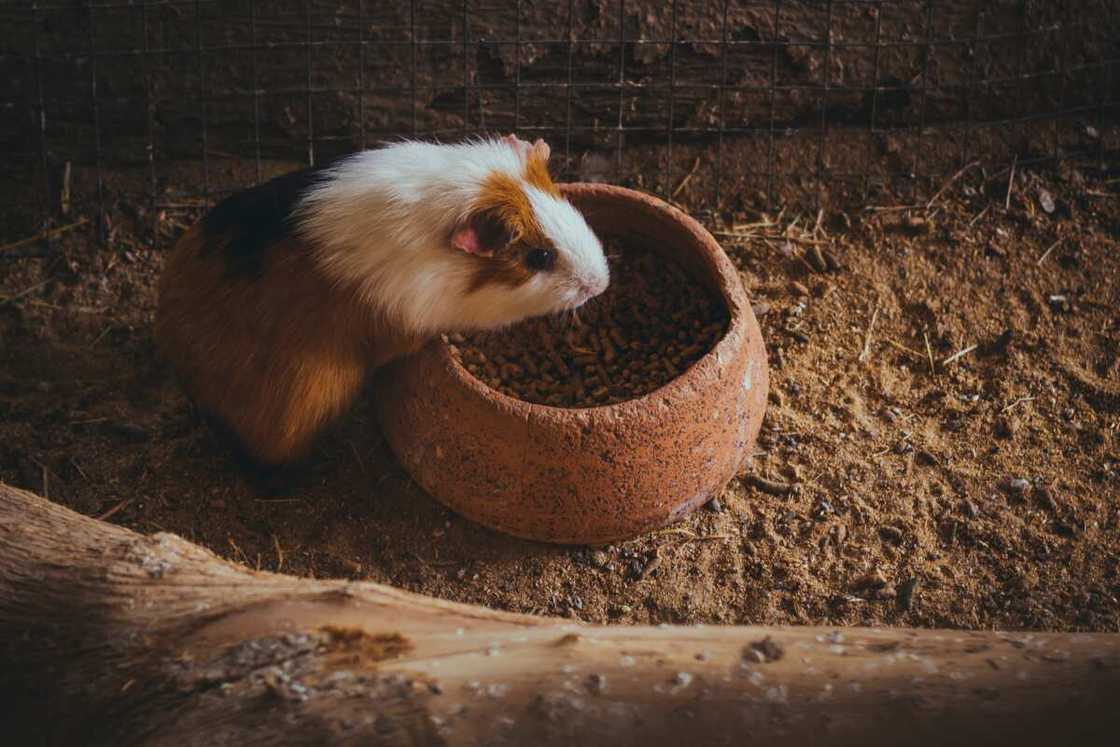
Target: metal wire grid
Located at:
point(173, 74)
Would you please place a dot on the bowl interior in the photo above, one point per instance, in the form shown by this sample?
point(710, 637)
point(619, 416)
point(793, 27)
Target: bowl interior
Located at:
point(662, 231)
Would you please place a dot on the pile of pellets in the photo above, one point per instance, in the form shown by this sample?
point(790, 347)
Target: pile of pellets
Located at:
point(653, 322)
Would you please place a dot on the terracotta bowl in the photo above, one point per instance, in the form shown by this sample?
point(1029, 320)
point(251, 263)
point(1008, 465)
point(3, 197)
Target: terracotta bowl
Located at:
point(599, 474)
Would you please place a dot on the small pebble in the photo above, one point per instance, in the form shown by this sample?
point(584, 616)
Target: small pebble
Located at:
point(873, 580)
point(714, 505)
point(1046, 498)
point(636, 569)
point(764, 651)
point(907, 593)
point(650, 567)
point(1005, 427)
point(926, 457)
point(891, 534)
point(1018, 486)
point(1046, 200)
point(1059, 302)
point(970, 508)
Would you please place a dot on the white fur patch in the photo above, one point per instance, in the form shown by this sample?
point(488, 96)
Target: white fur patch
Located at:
point(573, 238)
point(382, 219)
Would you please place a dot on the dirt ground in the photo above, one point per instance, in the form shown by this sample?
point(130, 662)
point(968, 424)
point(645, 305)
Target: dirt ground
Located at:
point(947, 407)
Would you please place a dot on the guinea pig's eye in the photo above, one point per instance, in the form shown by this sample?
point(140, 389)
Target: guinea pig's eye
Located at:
point(542, 258)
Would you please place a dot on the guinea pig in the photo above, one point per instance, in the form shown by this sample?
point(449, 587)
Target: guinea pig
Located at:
point(278, 303)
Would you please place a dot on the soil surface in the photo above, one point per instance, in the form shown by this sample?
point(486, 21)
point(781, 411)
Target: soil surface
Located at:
point(944, 425)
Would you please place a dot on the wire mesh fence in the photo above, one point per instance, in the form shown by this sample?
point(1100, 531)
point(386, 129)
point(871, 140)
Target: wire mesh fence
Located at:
point(718, 105)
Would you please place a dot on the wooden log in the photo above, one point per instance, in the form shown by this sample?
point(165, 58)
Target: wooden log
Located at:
point(113, 638)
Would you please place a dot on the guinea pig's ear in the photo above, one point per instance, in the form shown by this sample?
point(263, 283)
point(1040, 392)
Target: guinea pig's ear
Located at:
point(520, 147)
point(541, 150)
point(483, 234)
point(538, 149)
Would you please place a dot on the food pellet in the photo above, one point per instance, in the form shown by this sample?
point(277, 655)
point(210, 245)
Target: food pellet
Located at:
point(653, 322)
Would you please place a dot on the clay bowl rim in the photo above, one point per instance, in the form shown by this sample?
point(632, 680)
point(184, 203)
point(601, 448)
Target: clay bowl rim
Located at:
point(728, 286)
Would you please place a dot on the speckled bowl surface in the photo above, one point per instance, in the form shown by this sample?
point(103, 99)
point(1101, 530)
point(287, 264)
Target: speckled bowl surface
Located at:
point(600, 474)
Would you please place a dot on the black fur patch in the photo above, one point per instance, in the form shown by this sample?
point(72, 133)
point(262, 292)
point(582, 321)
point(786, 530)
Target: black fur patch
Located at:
point(252, 221)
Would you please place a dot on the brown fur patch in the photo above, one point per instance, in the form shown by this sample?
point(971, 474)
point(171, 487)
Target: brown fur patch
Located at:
point(506, 270)
point(536, 174)
point(274, 357)
point(504, 198)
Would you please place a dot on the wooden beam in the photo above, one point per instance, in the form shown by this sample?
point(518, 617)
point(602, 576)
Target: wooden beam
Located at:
point(110, 637)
